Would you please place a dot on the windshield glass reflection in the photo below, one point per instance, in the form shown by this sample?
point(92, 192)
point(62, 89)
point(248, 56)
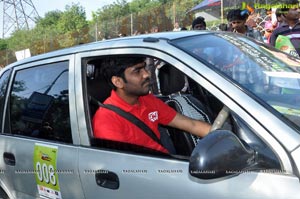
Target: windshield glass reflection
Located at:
point(271, 75)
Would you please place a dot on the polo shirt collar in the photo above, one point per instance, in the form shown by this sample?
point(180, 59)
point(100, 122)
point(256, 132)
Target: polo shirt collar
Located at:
point(118, 101)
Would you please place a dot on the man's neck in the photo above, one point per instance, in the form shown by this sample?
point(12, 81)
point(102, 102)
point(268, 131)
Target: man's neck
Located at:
point(292, 23)
point(243, 30)
point(132, 100)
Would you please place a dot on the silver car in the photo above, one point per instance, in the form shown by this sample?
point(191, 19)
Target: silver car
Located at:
point(248, 91)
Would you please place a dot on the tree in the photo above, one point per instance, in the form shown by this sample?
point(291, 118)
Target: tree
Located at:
point(73, 19)
point(74, 25)
point(3, 44)
point(50, 20)
point(20, 40)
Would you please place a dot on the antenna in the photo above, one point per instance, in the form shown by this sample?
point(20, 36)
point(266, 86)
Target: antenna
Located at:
point(17, 15)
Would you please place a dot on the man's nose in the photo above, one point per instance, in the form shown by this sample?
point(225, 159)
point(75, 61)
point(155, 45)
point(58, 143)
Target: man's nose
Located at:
point(146, 73)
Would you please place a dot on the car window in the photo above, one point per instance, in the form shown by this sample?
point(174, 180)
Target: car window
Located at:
point(39, 104)
point(97, 90)
point(195, 102)
point(3, 87)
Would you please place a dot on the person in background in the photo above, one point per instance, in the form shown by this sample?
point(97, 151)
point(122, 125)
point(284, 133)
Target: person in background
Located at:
point(176, 27)
point(279, 19)
point(199, 23)
point(183, 28)
point(252, 20)
point(237, 21)
point(154, 29)
point(223, 27)
point(290, 26)
point(268, 29)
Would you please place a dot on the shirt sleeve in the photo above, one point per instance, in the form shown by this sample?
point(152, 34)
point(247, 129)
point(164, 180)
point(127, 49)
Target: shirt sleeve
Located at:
point(106, 125)
point(273, 38)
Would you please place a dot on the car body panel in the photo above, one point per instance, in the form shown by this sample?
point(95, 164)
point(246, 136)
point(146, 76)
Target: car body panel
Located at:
point(22, 175)
point(169, 178)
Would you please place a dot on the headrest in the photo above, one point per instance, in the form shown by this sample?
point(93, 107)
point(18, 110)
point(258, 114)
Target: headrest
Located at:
point(97, 86)
point(171, 79)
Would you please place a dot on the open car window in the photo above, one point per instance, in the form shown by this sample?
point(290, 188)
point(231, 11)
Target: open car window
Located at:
point(193, 101)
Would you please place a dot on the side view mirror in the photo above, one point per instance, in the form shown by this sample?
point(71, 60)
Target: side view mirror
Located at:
point(219, 154)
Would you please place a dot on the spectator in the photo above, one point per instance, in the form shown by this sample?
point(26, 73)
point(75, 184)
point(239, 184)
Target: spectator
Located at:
point(237, 21)
point(122, 35)
point(290, 26)
point(268, 29)
point(223, 27)
point(279, 18)
point(131, 84)
point(183, 28)
point(154, 29)
point(199, 23)
point(176, 27)
point(252, 20)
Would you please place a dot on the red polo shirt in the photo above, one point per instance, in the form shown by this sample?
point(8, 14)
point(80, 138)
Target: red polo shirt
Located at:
point(152, 111)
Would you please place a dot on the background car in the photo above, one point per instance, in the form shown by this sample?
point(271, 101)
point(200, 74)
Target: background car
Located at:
point(249, 91)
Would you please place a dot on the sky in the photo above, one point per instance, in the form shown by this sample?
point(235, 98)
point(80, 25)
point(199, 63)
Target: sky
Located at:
point(44, 6)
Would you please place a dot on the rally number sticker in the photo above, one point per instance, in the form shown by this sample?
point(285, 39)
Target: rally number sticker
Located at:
point(44, 161)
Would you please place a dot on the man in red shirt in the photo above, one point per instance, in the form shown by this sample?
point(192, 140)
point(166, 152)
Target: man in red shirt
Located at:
point(131, 85)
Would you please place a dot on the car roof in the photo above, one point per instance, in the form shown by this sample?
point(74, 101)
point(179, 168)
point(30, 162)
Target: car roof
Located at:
point(106, 44)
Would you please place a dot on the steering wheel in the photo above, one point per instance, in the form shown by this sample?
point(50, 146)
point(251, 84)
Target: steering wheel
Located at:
point(221, 118)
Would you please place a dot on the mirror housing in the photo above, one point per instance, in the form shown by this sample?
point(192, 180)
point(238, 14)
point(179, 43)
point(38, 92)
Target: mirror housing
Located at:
point(219, 154)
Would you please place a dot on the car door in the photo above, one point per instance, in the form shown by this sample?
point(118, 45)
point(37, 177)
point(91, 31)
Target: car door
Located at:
point(112, 172)
point(37, 148)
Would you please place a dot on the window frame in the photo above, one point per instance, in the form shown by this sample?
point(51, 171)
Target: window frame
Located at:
point(69, 59)
point(183, 65)
point(2, 105)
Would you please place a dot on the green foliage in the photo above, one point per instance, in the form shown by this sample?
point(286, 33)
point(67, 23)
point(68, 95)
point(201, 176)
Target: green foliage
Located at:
point(20, 39)
point(73, 19)
point(144, 5)
point(3, 44)
point(50, 20)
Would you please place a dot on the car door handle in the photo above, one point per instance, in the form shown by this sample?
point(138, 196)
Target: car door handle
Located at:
point(107, 179)
point(9, 159)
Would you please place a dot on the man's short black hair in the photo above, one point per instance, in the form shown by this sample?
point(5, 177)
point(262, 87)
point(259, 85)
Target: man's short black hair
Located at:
point(115, 66)
point(198, 20)
point(236, 14)
point(278, 12)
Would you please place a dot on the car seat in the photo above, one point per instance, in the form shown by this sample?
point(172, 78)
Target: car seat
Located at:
point(97, 87)
point(171, 82)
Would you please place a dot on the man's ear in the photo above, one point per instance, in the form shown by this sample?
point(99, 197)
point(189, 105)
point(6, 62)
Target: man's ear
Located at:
point(117, 81)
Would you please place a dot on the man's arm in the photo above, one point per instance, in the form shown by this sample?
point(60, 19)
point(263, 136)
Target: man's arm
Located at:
point(273, 38)
point(196, 127)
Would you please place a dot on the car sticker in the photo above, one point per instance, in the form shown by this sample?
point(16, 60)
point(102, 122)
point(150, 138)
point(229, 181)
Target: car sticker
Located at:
point(44, 161)
point(287, 111)
point(262, 58)
point(284, 79)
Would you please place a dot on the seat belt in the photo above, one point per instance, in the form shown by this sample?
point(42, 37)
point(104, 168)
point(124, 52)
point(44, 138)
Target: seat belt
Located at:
point(130, 117)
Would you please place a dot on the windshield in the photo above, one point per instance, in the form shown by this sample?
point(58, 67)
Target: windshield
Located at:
point(273, 76)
